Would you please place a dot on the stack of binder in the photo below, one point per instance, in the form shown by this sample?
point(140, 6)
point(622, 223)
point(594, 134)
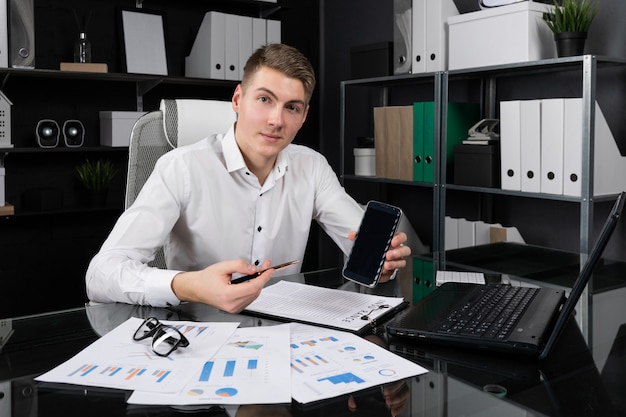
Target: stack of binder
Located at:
point(404, 137)
point(225, 42)
point(542, 148)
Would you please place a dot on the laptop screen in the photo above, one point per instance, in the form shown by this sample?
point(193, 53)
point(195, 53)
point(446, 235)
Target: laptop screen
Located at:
point(586, 272)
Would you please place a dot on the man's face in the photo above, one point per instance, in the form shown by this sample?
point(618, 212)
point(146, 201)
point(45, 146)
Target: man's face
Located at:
point(271, 110)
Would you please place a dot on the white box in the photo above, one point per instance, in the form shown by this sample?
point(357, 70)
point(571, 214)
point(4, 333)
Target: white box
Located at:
point(115, 127)
point(501, 35)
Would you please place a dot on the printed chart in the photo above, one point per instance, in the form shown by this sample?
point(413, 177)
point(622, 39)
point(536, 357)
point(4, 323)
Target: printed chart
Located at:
point(117, 361)
point(251, 368)
point(328, 363)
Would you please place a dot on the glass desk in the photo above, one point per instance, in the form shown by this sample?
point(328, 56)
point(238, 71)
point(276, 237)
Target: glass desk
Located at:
point(574, 381)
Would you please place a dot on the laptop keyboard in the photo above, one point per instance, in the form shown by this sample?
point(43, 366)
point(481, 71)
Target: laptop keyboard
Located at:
point(490, 311)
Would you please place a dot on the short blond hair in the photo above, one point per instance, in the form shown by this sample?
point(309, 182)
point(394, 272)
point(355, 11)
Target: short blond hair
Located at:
point(285, 59)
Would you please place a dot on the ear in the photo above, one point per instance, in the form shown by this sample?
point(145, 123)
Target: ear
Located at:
point(306, 113)
point(235, 100)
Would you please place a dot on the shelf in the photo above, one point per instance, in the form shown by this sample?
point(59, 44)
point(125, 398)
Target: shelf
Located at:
point(61, 149)
point(534, 265)
point(146, 79)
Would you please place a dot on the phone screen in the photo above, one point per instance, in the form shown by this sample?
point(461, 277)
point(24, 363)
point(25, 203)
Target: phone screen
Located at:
point(378, 226)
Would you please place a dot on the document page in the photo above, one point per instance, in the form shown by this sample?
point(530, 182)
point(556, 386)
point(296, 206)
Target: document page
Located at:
point(252, 367)
point(327, 363)
point(324, 306)
point(117, 361)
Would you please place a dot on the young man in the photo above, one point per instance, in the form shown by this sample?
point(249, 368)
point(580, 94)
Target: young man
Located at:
point(232, 203)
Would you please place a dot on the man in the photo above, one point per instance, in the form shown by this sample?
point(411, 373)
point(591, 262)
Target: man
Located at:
point(232, 203)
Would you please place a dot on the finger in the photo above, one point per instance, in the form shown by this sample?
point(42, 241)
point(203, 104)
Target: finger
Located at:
point(352, 235)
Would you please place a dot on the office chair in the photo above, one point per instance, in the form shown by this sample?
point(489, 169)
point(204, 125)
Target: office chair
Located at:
point(179, 122)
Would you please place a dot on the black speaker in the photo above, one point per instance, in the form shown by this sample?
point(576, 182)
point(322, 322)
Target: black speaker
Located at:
point(73, 133)
point(47, 133)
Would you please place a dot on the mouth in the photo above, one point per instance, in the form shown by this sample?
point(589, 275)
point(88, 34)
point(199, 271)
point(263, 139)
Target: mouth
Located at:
point(271, 137)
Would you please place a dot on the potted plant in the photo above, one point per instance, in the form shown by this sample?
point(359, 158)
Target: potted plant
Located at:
point(570, 22)
point(96, 178)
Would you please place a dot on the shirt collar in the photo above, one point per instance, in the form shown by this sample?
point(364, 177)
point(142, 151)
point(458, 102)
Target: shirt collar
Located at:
point(234, 158)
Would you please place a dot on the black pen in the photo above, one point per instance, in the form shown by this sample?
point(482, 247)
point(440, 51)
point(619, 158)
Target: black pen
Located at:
point(256, 274)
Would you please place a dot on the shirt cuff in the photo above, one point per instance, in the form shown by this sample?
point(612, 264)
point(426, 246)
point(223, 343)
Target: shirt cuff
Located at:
point(159, 288)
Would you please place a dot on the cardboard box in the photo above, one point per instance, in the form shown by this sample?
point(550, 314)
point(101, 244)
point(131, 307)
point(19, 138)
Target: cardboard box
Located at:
point(116, 126)
point(501, 35)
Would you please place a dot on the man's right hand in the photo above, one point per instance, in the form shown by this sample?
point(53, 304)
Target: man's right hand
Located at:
point(212, 285)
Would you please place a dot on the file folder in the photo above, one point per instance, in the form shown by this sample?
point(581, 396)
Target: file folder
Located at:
point(510, 138)
point(460, 118)
point(393, 140)
point(206, 59)
point(437, 14)
point(418, 37)
point(429, 141)
point(429, 39)
point(552, 114)
point(530, 145)
point(259, 33)
point(419, 156)
point(231, 47)
point(4, 38)
point(245, 42)
point(273, 31)
point(572, 146)
point(423, 278)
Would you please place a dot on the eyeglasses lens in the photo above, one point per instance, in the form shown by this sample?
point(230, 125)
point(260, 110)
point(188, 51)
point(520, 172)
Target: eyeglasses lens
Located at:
point(166, 340)
point(146, 329)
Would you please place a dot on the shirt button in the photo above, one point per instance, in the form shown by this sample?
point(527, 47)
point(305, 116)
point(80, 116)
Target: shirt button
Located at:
point(259, 229)
point(256, 263)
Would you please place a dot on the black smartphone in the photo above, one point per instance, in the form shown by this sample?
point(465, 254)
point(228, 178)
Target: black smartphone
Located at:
point(256, 274)
point(367, 256)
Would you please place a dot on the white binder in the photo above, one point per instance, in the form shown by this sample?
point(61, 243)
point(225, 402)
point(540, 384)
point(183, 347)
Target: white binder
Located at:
point(572, 146)
point(231, 47)
point(245, 42)
point(418, 37)
point(273, 31)
point(530, 145)
point(451, 233)
point(259, 33)
point(552, 111)
point(510, 160)
point(4, 38)
point(206, 59)
point(429, 34)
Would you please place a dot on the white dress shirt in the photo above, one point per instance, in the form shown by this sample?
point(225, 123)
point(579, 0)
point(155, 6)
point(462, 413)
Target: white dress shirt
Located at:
point(204, 206)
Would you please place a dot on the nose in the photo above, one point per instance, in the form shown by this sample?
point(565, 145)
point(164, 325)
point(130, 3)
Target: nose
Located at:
point(275, 117)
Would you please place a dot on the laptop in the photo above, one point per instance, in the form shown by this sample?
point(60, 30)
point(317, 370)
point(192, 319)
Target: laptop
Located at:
point(447, 315)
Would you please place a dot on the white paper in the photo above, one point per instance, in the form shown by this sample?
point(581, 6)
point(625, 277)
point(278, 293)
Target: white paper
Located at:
point(251, 368)
point(324, 306)
point(327, 363)
point(117, 361)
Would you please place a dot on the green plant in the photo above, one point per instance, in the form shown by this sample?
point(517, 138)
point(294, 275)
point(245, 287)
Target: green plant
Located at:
point(571, 16)
point(96, 176)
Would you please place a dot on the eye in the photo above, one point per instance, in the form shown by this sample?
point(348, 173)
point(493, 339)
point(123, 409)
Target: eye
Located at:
point(264, 99)
point(293, 108)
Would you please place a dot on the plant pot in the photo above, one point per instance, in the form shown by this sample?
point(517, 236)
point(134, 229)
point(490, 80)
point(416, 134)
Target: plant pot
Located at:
point(570, 43)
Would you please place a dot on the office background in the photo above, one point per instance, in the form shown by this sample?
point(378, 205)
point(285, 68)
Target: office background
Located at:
point(47, 253)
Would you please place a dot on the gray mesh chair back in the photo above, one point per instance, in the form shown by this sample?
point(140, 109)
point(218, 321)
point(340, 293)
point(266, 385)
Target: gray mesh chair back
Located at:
point(158, 132)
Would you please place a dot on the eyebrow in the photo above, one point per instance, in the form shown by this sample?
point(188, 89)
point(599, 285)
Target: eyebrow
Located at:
point(269, 92)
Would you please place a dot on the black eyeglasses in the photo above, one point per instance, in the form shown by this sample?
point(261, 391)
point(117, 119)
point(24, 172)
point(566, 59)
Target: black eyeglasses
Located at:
point(165, 338)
